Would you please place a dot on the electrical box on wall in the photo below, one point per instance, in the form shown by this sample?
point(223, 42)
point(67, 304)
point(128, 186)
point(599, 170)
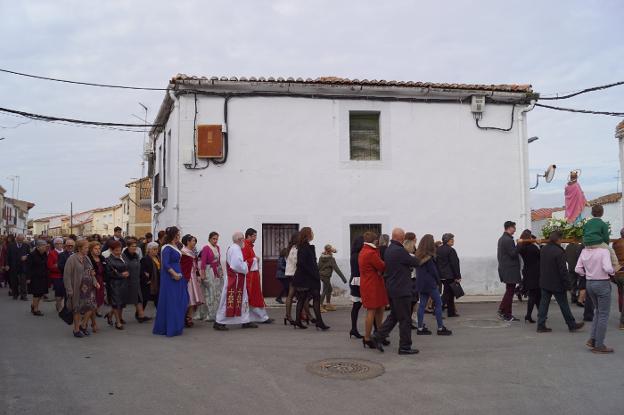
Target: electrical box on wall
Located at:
point(478, 104)
point(210, 141)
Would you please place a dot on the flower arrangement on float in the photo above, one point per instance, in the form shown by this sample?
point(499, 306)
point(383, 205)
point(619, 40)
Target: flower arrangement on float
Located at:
point(570, 231)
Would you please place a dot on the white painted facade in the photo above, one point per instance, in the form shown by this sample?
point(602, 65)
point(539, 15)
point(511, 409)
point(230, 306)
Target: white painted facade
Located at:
point(289, 162)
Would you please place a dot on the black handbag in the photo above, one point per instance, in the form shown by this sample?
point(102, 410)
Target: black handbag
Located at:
point(66, 315)
point(457, 289)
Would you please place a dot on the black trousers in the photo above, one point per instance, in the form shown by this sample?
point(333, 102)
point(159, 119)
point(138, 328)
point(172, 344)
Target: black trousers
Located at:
point(562, 300)
point(17, 283)
point(588, 312)
point(401, 313)
point(448, 297)
point(535, 295)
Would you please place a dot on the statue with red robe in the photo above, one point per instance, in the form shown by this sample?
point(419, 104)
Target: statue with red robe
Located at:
point(575, 200)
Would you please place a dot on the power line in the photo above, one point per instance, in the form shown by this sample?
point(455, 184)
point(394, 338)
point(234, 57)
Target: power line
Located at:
point(584, 91)
point(45, 78)
point(612, 114)
point(74, 121)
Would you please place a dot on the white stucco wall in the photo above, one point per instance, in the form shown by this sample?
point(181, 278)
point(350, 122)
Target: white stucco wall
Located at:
point(289, 163)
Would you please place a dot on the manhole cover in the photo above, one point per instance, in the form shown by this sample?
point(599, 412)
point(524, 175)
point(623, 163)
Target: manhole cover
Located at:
point(356, 369)
point(485, 324)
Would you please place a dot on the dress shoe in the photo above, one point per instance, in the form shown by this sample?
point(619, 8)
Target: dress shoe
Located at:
point(356, 334)
point(269, 321)
point(576, 327)
point(591, 343)
point(543, 329)
point(529, 319)
point(279, 301)
point(602, 350)
point(330, 307)
point(443, 331)
point(250, 326)
point(423, 332)
point(408, 351)
point(219, 327)
point(453, 315)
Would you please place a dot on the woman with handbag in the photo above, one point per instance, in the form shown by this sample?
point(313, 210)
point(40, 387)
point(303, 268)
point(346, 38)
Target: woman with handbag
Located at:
point(448, 263)
point(80, 286)
point(427, 279)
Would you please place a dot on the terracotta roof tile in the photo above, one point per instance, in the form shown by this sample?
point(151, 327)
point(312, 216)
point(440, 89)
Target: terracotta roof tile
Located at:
point(619, 130)
point(606, 199)
point(334, 80)
point(544, 213)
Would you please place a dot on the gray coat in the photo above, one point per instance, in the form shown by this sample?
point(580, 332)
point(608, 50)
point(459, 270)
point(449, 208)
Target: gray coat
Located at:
point(508, 260)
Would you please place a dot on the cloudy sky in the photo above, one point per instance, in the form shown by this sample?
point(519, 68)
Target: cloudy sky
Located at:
point(557, 46)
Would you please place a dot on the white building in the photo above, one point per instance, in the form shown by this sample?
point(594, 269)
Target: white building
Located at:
point(15, 216)
point(343, 156)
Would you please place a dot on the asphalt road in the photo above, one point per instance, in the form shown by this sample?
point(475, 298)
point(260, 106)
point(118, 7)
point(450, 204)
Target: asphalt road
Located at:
point(505, 370)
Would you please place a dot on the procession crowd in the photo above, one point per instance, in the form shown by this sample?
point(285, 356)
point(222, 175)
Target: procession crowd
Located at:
point(94, 277)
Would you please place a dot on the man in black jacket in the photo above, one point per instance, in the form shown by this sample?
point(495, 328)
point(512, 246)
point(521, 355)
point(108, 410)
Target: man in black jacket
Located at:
point(16, 259)
point(508, 270)
point(399, 286)
point(554, 281)
point(448, 263)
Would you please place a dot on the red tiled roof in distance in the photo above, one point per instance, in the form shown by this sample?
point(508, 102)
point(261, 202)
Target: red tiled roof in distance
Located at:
point(546, 213)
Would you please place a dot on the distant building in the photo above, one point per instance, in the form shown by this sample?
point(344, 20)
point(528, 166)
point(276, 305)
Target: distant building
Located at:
point(612, 204)
point(55, 226)
point(15, 215)
point(41, 226)
point(81, 224)
point(139, 207)
point(2, 224)
point(104, 220)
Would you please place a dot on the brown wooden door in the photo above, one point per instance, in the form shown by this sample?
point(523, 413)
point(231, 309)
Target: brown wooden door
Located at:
point(275, 237)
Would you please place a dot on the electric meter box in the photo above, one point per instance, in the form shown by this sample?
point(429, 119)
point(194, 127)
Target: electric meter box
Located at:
point(478, 104)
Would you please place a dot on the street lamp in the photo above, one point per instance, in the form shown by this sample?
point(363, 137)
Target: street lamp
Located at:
point(533, 139)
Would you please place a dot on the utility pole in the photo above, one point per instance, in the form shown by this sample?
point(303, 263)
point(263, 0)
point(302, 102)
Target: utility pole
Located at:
point(71, 217)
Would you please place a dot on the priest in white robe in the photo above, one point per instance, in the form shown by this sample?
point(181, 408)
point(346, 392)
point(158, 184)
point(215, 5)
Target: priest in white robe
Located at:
point(234, 304)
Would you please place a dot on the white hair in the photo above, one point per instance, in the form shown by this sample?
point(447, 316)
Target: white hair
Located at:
point(151, 245)
point(238, 236)
point(58, 240)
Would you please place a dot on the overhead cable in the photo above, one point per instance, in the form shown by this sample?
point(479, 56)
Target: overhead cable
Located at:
point(612, 114)
point(45, 78)
point(74, 121)
point(584, 91)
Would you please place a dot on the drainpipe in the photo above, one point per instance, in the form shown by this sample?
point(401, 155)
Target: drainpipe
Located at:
point(523, 147)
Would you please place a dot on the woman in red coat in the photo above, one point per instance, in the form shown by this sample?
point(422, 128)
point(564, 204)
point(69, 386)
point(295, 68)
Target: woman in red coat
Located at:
point(372, 286)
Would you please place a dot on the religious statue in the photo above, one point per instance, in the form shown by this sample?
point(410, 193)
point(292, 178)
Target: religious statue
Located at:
point(575, 200)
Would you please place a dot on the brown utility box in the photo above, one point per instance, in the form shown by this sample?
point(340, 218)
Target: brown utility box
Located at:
point(209, 141)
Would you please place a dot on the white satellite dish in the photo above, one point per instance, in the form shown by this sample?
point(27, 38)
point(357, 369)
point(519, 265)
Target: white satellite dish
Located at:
point(548, 175)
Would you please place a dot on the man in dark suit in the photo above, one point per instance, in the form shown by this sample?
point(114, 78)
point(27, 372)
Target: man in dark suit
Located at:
point(554, 281)
point(16, 259)
point(508, 270)
point(399, 286)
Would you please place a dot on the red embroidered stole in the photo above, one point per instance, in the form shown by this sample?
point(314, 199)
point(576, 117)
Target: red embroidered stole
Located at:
point(234, 299)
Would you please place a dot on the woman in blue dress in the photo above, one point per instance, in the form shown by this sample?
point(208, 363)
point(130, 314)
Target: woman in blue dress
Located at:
point(173, 298)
